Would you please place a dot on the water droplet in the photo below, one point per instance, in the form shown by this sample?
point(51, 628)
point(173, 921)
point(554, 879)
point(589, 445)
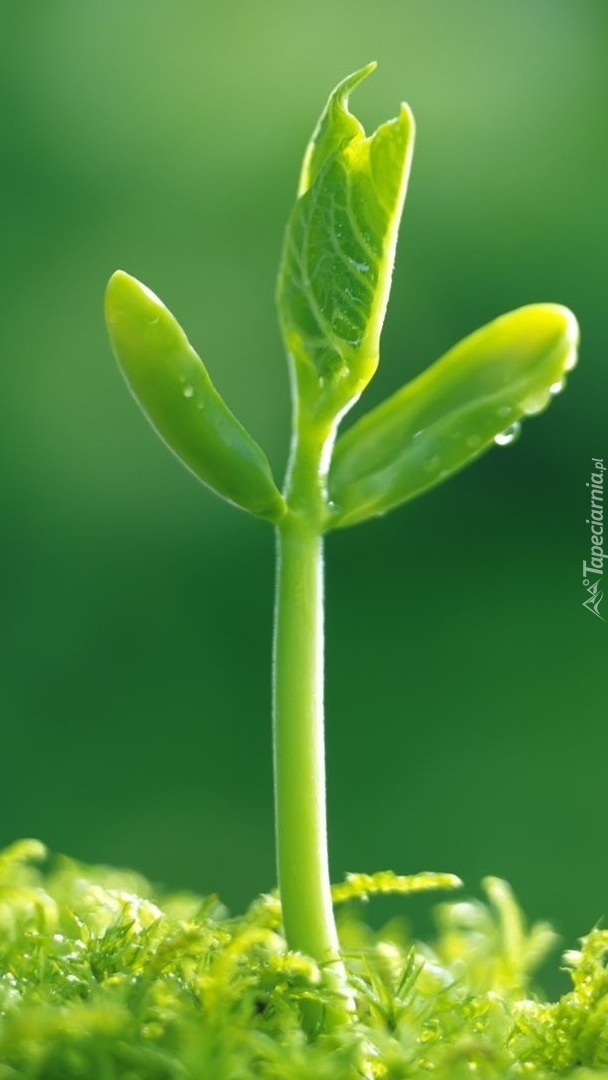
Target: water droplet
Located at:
point(508, 436)
point(571, 361)
point(535, 403)
point(504, 411)
point(557, 387)
point(432, 464)
point(417, 434)
point(473, 441)
point(188, 391)
point(200, 405)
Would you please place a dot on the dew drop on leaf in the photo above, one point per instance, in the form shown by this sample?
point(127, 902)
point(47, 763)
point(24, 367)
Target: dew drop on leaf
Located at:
point(536, 402)
point(509, 435)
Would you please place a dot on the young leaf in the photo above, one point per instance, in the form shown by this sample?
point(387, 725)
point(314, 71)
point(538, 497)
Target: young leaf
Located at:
point(473, 397)
point(339, 251)
point(170, 383)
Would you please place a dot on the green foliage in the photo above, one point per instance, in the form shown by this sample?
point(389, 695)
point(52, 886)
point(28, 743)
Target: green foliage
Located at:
point(102, 979)
point(171, 384)
point(333, 288)
point(360, 886)
point(472, 398)
point(339, 250)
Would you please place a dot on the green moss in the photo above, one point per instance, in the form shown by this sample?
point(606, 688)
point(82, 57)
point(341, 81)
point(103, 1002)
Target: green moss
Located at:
point(100, 978)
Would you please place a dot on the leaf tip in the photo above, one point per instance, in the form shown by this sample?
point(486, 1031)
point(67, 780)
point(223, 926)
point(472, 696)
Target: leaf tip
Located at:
point(119, 282)
point(406, 117)
point(566, 321)
point(344, 88)
point(335, 126)
point(369, 68)
point(123, 291)
point(550, 329)
point(136, 317)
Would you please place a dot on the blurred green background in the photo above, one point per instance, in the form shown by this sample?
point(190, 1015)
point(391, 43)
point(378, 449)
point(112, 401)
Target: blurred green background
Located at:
point(466, 685)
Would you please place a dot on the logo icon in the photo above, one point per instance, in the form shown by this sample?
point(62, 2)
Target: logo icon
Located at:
point(594, 599)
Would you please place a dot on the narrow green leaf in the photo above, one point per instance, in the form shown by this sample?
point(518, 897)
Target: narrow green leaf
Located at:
point(471, 399)
point(361, 886)
point(339, 250)
point(170, 383)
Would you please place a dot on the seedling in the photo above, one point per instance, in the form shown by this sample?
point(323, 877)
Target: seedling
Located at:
point(333, 289)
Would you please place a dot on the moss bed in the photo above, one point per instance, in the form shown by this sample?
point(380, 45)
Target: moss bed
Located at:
point(103, 978)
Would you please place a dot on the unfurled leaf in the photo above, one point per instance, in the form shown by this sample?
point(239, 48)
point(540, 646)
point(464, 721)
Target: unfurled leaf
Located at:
point(339, 251)
point(171, 384)
point(473, 398)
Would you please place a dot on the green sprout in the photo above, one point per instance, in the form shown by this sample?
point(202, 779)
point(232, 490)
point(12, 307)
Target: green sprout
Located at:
point(333, 290)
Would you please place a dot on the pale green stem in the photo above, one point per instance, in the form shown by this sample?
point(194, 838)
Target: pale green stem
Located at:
point(299, 744)
point(298, 720)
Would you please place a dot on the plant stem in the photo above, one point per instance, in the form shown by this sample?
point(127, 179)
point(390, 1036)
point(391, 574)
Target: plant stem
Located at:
point(298, 721)
point(299, 755)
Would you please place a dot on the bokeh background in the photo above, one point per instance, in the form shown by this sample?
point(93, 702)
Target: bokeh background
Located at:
point(466, 684)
